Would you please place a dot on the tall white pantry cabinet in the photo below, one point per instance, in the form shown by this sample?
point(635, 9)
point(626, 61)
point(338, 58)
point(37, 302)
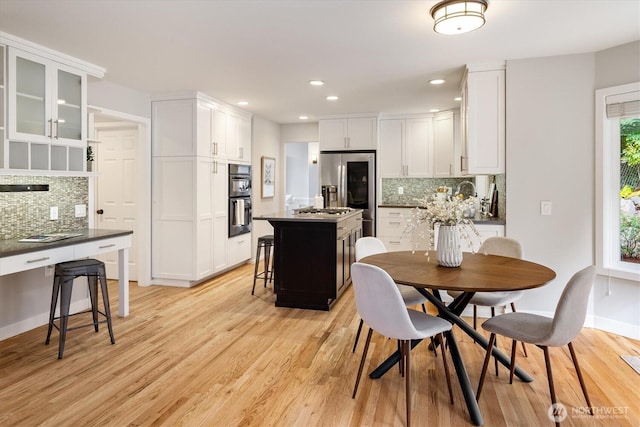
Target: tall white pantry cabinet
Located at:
point(193, 141)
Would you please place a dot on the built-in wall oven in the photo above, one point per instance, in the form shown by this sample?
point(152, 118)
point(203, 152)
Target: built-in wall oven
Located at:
point(239, 199)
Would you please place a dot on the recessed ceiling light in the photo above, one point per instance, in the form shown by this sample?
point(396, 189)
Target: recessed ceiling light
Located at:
point(436, 81)
point(316, 82)
point(458, 98)
point(434, 110)
point(303, 117)
point(332, 98)
point(243, 102)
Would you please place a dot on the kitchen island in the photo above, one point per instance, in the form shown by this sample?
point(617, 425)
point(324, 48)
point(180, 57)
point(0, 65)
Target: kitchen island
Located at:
point(313, 255)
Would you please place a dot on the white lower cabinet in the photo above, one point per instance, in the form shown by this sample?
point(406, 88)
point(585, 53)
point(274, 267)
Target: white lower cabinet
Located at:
point(392, 223)
point(239, 249)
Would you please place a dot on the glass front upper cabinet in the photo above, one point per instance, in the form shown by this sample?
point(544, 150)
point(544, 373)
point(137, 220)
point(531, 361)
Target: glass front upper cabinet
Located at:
point(46, 100)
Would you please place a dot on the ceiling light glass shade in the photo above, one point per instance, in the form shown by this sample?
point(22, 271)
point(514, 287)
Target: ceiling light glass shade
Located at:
point(458, 16)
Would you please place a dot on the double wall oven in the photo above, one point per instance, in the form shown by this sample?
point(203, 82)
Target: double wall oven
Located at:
point(239, 199)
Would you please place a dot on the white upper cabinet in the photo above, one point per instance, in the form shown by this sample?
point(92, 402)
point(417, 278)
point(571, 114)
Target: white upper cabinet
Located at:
point(47, 100)
point(483, 120)
point(406, 148)
point(443, 146)
point(45, 95)
point(200, 126)
point(353, 133)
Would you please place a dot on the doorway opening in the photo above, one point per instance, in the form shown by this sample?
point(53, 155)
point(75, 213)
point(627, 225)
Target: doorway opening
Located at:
point(119, 192)
point(302, 174)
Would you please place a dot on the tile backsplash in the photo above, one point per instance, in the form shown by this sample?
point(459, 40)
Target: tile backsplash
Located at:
point(418, 188)
point(26, 213)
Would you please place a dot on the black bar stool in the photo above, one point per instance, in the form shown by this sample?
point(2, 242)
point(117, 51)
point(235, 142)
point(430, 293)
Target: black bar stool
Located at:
point(65, 274)
point(266, 243)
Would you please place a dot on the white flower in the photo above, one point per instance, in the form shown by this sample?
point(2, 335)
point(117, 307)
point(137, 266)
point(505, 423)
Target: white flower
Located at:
point(447, 211)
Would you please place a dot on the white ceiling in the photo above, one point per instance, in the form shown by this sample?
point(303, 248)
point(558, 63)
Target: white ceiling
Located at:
point(376, 55)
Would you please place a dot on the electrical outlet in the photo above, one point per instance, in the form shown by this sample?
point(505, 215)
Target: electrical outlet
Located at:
point(400, 190)
point(53, 213)
point(545, 207)
point(81, 211)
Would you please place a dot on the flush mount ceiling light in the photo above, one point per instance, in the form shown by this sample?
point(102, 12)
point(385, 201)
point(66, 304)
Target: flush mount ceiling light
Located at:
point(436, 81)
point(303, 117)
point(316, 82)
point(243, 103)
point(458, 16)
point(332, 98)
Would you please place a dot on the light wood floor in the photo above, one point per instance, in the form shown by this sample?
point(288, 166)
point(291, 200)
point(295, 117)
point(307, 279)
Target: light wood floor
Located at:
point(216, 356)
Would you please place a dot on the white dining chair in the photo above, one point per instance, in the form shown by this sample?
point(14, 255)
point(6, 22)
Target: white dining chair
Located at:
point(501, 246)
point(546, 332)
point(366, 246)
point(382, 308)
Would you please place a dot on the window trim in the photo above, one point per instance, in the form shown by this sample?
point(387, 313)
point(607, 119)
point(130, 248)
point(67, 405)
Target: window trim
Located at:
point(607, 209)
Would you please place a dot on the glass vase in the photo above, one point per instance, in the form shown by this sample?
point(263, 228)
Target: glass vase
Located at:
point(448, 251)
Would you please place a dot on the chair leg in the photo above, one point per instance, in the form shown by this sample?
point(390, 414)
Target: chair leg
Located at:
point(406, 345)
point(512, 368)
point(446, 366)
point(267, 256)
point(401, 361)
point(65, 303)
point(524, 347)
point(492, 340)
point(54, 302)
point(424, 308)
point(475, 315)
point(93, 296)
point(357, 335)
point(364, 356)
point(255, 270)
point(582, 385)
point(552, 390)
point(105, 301)
point(495, 359)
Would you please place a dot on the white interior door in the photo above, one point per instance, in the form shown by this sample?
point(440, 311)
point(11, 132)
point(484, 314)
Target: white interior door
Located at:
point(116, 195)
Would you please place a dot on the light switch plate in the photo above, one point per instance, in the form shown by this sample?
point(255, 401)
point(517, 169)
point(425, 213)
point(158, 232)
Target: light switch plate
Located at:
point(545, 207)
point(53, 213)
point(400, 190)
point(81, 211)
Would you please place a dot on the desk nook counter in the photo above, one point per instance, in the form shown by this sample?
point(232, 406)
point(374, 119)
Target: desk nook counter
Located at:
point(313, 256)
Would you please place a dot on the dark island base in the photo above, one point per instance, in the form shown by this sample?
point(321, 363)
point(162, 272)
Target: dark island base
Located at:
point(313, 262)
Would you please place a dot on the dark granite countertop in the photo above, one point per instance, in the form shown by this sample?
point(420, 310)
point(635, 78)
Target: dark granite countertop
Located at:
point(12, 247)
point(478, 219)
point(290, 216)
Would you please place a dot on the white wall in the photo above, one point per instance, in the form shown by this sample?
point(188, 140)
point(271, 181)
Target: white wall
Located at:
point(550, 156)
point(266, 142)
point(299, 132)
point(297, 169)
point(617, 301)
point(105, 94)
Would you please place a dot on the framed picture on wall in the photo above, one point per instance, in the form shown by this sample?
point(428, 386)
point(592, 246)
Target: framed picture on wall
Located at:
point(268, 176)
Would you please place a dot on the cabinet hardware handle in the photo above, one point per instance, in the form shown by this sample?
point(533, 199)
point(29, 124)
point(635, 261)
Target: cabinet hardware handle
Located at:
point(215, 148)
point(37, 260)
point(394, 222)
point(57, 122)
point(50, 128)
point(450, 169)
point(395, 213)
point(106, 246)
point(395, 242)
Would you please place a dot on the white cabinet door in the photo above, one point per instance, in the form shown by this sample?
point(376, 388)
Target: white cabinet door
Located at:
point(46, 115)
point(362, 133)
point(204, 136)
point(244, 139)
point(391, 136)
point(418, 153)
point(484, 127)
point(443, 146)
point(174, 128)
point(220, 215)
point(219, 133)
point(356, 133)
point(332, 134)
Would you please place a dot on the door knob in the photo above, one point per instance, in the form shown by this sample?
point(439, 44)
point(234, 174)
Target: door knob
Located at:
point(100, 211)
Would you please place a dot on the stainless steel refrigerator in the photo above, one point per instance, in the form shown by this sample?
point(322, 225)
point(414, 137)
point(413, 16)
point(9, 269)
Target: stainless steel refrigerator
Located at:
point(354, 176)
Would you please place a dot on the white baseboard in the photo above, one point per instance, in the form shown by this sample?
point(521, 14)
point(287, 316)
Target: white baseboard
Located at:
point(38, 320)
point(620, 328)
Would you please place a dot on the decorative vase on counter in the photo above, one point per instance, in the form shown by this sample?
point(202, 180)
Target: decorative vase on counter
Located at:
point(449, 252)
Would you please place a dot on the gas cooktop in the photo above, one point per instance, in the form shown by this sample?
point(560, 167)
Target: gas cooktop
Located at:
point(325, 211)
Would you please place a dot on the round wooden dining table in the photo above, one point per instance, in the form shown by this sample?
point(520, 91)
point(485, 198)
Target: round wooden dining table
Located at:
point(477, 273)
